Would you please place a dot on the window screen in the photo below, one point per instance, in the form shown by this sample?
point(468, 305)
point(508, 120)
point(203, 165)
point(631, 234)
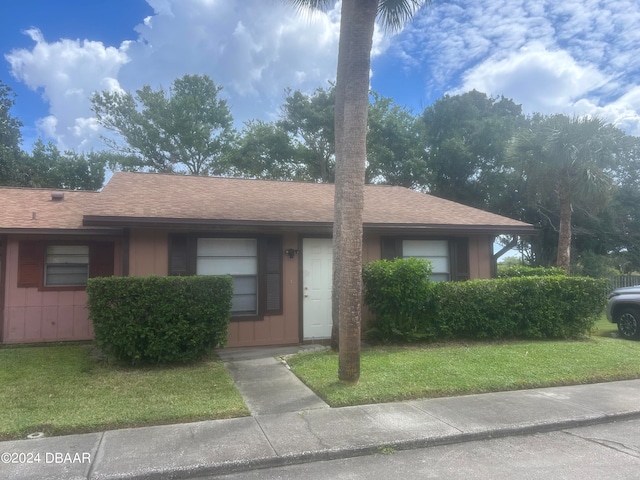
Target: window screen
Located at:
point(66, 265)
point(436, 251)
point(237, 257)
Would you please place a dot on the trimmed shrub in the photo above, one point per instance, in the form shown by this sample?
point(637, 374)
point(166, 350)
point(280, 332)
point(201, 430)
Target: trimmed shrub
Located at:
point(159, 319)
point(526, 307)
point(398, 292)
point(408, 307)
point(526, 271)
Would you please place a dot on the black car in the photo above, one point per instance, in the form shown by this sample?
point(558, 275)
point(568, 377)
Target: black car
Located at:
point(623, 308)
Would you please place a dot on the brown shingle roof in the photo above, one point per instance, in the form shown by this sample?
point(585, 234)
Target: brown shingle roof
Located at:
point(134, 197)
point(33, 209)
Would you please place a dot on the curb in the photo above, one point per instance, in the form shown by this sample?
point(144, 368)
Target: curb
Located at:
point(337, 454)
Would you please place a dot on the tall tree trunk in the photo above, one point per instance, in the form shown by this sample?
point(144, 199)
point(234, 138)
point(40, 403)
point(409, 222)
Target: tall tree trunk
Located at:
point(564, 237)
point(352, 103)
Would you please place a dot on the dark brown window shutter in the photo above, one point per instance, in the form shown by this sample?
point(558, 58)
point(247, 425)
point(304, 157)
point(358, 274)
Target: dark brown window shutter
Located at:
point(390, 248)
point(273, 275)
point(101, 259)
point(30, 264)
point(460, 259)
point(179, 254)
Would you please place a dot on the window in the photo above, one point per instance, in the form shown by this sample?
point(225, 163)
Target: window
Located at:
point(66, 265)
point(436, 251)
point(63, 265)
point(237, 257)
point(255, 263)
point(449, 257)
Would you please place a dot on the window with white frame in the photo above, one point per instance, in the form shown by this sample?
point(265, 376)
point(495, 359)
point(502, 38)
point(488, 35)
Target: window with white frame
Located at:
point(436, 251)
point(66, 265)
point(237, 257)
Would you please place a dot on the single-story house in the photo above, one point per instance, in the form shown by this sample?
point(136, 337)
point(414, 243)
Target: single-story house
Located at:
point(273, 237)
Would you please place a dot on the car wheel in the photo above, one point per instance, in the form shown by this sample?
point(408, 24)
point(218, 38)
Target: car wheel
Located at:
point(629, 323)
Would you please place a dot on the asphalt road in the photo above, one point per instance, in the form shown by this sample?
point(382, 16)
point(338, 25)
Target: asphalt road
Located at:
point(609, 451)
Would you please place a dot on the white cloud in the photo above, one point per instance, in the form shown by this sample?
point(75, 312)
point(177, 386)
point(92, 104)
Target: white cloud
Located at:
point(574, 56)
point(254, 49)
point(624, 112)
point(67, 72)
point(544, 81)
point(450, 37)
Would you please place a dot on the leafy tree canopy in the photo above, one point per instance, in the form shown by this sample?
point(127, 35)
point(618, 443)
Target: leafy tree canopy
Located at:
point(47, 167)
point(187, 128)
point(466, 140)
point(300, 145)
point(570, 160)
point(10, 136)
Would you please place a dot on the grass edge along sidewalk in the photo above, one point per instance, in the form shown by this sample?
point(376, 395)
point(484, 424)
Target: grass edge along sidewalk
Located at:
point(436, 370)
point(62, 389)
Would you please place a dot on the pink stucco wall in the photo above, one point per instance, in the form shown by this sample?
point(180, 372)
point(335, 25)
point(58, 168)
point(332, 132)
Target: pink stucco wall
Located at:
point(30, 315)
point(44, 316)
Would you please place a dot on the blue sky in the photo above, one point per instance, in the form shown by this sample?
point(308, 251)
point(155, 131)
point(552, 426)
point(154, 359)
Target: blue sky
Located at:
point(574, 57)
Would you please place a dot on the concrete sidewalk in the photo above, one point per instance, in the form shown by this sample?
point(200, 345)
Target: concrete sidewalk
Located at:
point(317, 433)
point(266, 383)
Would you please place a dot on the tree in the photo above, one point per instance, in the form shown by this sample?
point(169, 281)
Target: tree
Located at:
point(10, 136)
point(309, 119)
point(395, 144)
point(571, 160)
point(265, 150)
point(47, 167)
point(466, 143)
point(300, 145)
point(622, 216)
point(188, 127)
point(357, 20)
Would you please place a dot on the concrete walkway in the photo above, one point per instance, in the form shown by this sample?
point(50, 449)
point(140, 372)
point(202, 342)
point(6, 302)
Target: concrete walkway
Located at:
point(266, 383)
point(275, 439)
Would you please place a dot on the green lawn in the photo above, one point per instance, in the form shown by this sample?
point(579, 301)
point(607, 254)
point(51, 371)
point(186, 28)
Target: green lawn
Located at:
point(401, 373)
point(62, 389)
point(604, 328)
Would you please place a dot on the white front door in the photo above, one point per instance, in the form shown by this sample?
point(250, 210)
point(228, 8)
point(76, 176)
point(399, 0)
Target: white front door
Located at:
point(316, 288)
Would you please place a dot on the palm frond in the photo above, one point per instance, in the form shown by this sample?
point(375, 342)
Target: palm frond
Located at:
point(393, 14)
point(312, 4)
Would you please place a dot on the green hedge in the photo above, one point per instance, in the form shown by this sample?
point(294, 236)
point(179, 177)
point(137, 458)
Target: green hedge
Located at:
point(525, 307)
point(398, 292)
point(526, 271)
point(408, 307)
point(159, 319)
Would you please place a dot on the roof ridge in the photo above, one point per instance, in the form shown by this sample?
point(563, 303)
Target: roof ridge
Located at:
point(219, 177)
point(45, 189)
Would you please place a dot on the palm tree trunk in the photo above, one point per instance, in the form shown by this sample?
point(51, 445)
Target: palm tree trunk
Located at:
point(564, 237)
point(352, 103)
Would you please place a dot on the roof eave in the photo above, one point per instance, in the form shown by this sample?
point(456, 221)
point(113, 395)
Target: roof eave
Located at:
point(491, 229)
point(150, 222)
point(62, 231)
point(158, 222)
